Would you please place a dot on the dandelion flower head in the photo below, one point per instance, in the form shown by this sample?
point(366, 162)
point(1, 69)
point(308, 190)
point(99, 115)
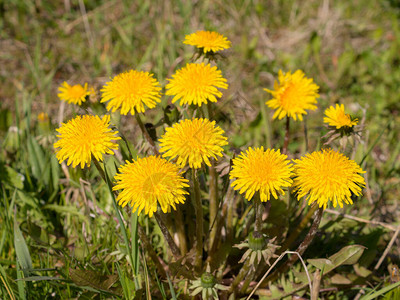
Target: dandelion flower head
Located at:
point(149, 180)
point(196, 84)
point(327, 175)
point(131, 91)
point(75, 94)
point(209, 41)
point(193, 142)
point(335, 116)
point(266, 171)
point(293, 95)
point(84, 136)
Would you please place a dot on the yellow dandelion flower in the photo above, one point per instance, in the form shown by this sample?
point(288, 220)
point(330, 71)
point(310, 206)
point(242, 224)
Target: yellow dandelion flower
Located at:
point(193, 142)
point(131, 91)
point(326, 176)
point(209, 41)
point(149, 180)
point(83, 137)
point(335, 116)
point(266, 171)
point(197, 84)
point(75, 94)
point(293, 95)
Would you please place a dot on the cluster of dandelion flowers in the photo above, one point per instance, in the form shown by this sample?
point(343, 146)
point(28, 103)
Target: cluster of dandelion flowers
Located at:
point(193, 142)
point(196, 84)
point(131, 91)
point(335, 116)
point(84, 136)
point(75, 94)
point(325, 176)
point(208, 41)
point(149, 180)
point(258, 170)
point(293, 95)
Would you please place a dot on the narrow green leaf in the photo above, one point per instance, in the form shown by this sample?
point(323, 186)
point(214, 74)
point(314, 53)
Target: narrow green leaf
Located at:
point(381, 291)
point(4, 281)
point(21, 249)
point(40, 278)
point(55, 171)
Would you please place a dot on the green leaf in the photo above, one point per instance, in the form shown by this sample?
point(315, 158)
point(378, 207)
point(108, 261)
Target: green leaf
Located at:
point(11, 177)
point(40, 278)
point(55, 171)
point(21, 249)
point(361, 271)
point(348, 255)
point(322, 264)
point(340, 279)
point(381, 291)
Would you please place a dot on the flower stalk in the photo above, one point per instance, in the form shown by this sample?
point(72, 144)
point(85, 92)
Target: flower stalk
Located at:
point(171, 243)
point(199, 220)
point(286, 140)
point(147, 135)
point(213, 205)
point(258, 209)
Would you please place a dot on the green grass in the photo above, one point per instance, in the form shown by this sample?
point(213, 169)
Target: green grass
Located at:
point(58, 229)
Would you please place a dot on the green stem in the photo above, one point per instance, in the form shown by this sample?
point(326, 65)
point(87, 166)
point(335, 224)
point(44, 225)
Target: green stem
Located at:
point(146, 134)
point(242, 273)
point(199, 221)
point(286, 141)
point(213, 205)
point(103, 174)
point(171, 243)
point(259, 210)
point(180, 230)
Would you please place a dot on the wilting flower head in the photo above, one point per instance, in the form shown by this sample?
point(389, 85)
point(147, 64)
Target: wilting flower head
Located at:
point(193, 142)
point(326, 176)
point(149, 180)
point(208, 41)
point(131, 91)
point(75, 94)
point(335, 116)
point(197, 84)
point(264, 171)
point(83, 137)
point(293, 95)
